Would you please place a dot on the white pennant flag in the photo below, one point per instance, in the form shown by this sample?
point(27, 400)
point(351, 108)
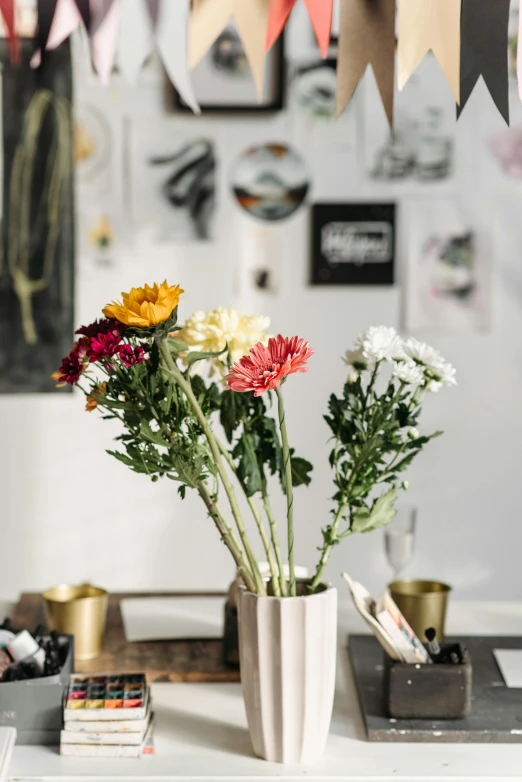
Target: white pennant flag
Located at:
point(136, 41)
point(171, 38)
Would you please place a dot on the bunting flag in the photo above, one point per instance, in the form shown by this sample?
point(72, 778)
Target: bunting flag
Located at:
point(135, 42)
point(435, 25)
point(208, 19)
point(7, 9)
point(45, 10)
point(104, 28)
point(154, 11)
point(67, 16)
point(320, 12)
point(171, 39)
point(483, 51)
point(366, 37)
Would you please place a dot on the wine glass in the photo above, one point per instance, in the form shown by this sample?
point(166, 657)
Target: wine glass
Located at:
point(399, 539)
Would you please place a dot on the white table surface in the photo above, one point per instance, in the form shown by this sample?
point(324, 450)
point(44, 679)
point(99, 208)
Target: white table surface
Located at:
point(201, 733)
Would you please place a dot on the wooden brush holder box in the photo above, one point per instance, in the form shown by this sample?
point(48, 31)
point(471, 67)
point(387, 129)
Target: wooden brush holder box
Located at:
point(440, 691)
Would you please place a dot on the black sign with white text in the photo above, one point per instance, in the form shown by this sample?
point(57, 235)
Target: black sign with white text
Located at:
point(353, 244)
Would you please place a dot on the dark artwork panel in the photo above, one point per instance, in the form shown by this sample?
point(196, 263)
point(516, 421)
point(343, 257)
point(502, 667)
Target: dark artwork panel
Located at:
point(37, 258)
point(353, 244)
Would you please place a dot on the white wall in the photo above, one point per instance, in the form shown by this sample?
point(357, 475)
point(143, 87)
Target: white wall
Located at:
point(71, 513)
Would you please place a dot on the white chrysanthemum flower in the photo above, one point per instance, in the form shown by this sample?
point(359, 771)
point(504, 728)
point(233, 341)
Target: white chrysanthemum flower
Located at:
point(437, 371)
point(408, 372)
point(356, 359)
point(443, 375)
point(211, 331)
point(423, 354)
point(379, 343)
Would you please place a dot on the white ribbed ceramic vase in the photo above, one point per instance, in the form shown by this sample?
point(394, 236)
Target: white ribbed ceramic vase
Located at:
point(288, 649)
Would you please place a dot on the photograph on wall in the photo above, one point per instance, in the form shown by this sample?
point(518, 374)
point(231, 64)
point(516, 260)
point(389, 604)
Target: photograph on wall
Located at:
point(223, 81)
point(311, 99)
point(172, 179)
point(37, 258)
point(93, 148)
point(448, 280)
point(270, 181)
point(420, 151)
point(353, 244)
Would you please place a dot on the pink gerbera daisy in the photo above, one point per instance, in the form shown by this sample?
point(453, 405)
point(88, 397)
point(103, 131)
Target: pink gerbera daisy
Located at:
point(267, 366)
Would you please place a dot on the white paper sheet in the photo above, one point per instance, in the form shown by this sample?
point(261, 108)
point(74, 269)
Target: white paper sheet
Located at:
point(7, 742)
point(171, 618)
point(510, 664)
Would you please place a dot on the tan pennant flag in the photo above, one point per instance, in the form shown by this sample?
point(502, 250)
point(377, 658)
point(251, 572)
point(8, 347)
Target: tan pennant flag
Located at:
point(208, 19)
point(366, 37)
point(426, 25)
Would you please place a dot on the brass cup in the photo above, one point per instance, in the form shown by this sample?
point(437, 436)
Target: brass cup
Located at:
point(423, 604)
point(80, 611)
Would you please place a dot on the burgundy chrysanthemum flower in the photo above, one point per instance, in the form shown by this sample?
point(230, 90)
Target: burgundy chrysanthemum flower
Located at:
point(130, 356)
point(267, 366)
point(102, 326)
point(73, 365)
point(104, 346)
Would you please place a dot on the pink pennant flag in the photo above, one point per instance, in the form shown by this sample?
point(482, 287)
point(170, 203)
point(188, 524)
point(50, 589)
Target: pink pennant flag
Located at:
point(7, 9)
point(320, 12)
point(105, 24)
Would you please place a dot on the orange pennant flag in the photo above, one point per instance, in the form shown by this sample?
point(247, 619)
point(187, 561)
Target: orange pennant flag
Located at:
point(7, 9)
point(209, 17)
point(320, 12)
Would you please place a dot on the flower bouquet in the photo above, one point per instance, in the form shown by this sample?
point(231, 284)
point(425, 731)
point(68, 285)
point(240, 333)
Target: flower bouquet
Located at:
point(139, 366)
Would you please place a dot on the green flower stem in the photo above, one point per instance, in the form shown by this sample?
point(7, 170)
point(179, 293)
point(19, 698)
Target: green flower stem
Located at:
point(259, 524)
point(227, 536)
point(327, 550)
point(186, 387)
point(275, 542)
point(289, 491)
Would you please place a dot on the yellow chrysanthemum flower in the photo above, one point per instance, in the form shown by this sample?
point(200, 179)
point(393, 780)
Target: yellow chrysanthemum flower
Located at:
point(212, 331)
point(145, 307)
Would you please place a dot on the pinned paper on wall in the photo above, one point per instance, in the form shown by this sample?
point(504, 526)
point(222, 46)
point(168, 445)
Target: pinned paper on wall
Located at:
point(420, 151)
point(449, 269)
point(172, 180)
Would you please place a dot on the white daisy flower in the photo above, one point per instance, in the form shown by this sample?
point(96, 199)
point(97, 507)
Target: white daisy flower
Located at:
point(379, 343)
point(408, 372)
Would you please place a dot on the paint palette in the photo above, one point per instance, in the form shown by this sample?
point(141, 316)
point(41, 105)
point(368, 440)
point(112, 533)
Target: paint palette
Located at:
point(106, 697)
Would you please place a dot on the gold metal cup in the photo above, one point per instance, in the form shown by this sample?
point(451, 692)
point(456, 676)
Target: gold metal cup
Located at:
point(80, 611)
point(423, 604)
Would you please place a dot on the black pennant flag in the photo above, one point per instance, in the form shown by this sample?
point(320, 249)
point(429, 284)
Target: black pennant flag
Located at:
point(45, 15)
point(84, 8)
point(483, 51)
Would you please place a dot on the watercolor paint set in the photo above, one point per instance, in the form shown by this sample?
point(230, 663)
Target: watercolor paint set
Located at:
point(107, 715)
point(106, 697)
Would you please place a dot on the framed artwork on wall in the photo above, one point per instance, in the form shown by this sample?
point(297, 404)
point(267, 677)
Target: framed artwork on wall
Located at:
point(353, 244)
point(223, 82)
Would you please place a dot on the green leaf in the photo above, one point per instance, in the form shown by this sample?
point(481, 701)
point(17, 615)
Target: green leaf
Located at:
point(177, 345)
point(380, 514)
point(248, 469)
point(152, 437)
point(195, 355)
point(230, 413)
point(300, 471)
